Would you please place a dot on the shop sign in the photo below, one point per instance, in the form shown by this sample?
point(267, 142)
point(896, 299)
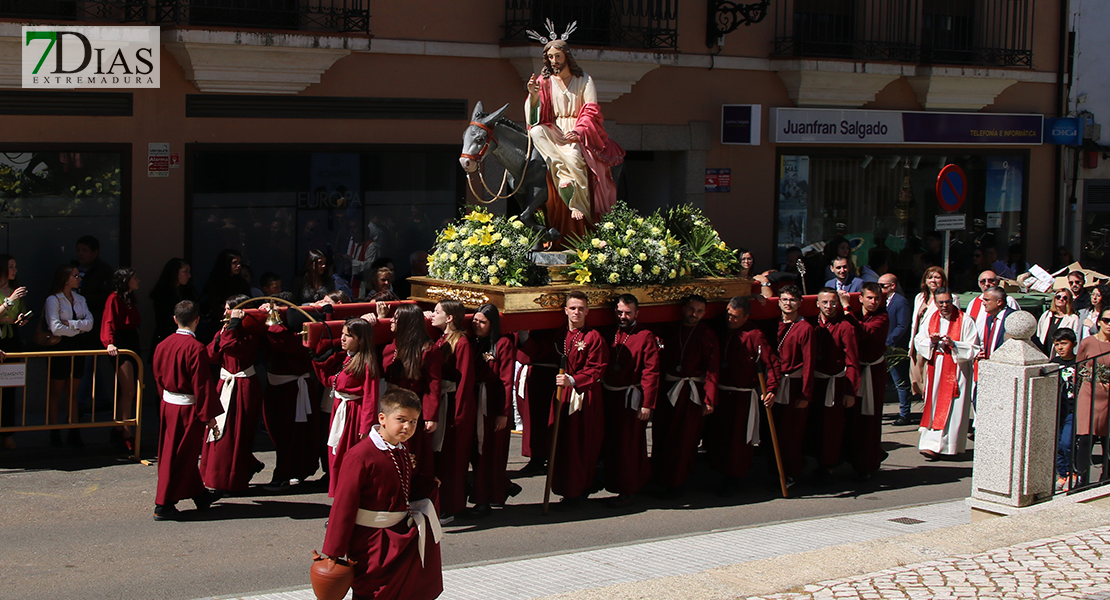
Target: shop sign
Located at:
point(80, 57)
point(831, 126)
point(158, 160)
point(718, 180)
point(994, 220)
point(740, 124)
point(1066, 131)
point(13, 375)
point(951, 222)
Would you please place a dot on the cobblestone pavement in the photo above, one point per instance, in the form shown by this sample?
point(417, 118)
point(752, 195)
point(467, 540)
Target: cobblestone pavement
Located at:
point(1076, 566)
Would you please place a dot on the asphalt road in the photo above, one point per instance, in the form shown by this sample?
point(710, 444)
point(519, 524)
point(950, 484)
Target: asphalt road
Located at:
point(77, 523)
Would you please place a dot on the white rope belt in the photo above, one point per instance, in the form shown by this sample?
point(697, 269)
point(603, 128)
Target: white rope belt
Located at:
point(575, 401)
point(866, 389)
point(525, 372)
point(783, 397)
point(676, 389)
point(339, 418)
point(446, 387)
point(179, 399)
point(830, 391)
point(421, 512)
point(753, 411)
point(633, 395)
point(304, 405)
point(225, 398)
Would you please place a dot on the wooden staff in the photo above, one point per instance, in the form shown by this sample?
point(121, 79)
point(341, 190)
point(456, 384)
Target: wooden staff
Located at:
point(771, 422)
point(554, 436)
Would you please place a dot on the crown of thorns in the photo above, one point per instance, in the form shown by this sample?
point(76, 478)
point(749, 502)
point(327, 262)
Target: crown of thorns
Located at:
point(551, 35)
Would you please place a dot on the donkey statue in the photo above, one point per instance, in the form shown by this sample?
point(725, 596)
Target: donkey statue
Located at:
point(526, 176)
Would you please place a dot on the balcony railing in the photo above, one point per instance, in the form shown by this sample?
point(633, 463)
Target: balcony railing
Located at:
point(340, 16)
point(962, 32)
point(650, 24)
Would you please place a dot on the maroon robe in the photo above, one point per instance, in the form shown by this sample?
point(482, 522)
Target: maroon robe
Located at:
point(461, 413)
point(676, 428)
point(796, 355)
point(181, 366)
point(540, 355)
point(837, 352)
point(730, 451)
point(298, 446)
point(580, 433)
point(864, 444)
point(491, 482)
point(362, 410)
point(429, 389)
point(633, 366)
point(228, 463)
point(387, 560)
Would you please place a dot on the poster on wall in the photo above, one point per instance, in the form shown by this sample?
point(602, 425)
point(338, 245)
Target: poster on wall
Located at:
point(793, 202)
point(1004, 183)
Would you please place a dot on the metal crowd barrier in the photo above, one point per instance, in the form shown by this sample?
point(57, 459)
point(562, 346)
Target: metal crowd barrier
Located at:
point(19, 378)
point(1079, 392)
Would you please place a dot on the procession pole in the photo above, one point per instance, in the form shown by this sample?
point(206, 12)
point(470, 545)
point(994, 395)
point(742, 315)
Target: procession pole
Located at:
point(771, 425)
point(554, 437)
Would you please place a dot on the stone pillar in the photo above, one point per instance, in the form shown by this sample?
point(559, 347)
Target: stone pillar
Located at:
point(1015, 424)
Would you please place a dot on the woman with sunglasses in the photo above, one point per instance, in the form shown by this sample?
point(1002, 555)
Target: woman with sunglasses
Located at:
point(1060, 314)
point(67, 315)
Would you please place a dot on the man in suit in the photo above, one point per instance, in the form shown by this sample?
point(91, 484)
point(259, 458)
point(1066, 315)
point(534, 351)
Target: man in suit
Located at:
point(843, 279)
point(994, 330)
point(898, 337)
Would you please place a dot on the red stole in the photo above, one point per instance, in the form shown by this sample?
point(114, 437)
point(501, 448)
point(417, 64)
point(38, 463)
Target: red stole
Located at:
point(948, 388)
point(600, 152)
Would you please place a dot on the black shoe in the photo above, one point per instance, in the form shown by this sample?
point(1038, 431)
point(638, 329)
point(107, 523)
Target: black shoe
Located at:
point(569, 504)
point(479, 511)
point(73, 438)
point(621, 501)
point(536, 466)
point(672, 493)
point(207, 499)
point(259, 467)
point(166, 512)
point(821, 477)
point(514, 489)
point(56, 438)
point(901, 421)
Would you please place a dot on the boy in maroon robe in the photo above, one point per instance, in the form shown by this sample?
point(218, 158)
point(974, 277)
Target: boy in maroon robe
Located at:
point(836, 368)
point(629, 389)
point(189, 406)
point(582, 424)
point(863, 444)
point(690, 361)
point(734, 428)
point(227, 461)
point(383, 516)
point(795, 354)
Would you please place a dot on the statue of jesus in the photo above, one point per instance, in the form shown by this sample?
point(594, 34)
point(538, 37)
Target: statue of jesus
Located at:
point(566, 127)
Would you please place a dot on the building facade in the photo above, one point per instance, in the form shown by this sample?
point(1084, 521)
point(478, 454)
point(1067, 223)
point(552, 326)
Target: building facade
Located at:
point(298, 124)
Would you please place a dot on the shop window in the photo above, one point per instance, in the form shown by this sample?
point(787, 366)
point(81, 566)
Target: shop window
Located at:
point(889, 202)
point(50, 199)
point(275, 206)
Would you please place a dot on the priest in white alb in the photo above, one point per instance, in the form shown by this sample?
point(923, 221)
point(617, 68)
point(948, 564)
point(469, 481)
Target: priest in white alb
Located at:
point(949, 342)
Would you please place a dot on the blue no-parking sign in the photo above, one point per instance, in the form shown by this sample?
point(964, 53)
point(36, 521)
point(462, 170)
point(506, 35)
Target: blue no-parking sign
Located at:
point(951, 188)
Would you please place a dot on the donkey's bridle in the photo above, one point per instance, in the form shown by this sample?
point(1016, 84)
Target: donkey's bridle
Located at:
point(485, 146)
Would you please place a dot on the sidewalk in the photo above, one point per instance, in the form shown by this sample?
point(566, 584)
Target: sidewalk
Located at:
point(929, 551)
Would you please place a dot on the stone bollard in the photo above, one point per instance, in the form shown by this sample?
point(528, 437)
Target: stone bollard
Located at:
point(1015, 424)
